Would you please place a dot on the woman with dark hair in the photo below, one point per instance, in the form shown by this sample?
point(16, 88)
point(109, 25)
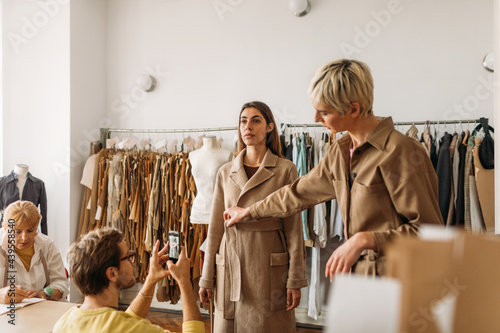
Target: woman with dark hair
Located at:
point(257, 269)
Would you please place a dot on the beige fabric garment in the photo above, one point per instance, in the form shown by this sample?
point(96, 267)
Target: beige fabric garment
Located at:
point(485, 184)
point(255, 262)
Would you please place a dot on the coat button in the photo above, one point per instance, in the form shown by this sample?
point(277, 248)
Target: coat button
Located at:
point(357, 152)
point(353, 175)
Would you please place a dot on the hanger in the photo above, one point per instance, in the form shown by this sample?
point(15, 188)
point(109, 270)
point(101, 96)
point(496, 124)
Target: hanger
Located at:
point(482, 121)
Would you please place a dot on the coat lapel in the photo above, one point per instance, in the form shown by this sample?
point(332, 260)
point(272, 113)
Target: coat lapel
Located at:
point(262, 175)
point(238, 174)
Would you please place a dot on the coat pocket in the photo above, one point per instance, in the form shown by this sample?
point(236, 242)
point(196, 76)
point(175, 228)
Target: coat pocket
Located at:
point(219, 282)
point(278, 278)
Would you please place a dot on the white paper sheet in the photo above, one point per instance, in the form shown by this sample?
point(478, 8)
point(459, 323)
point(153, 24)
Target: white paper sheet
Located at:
point(363, 304)
point(4, 308)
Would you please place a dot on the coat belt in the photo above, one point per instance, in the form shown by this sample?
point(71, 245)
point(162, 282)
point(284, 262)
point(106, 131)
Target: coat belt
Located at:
point(263, 225)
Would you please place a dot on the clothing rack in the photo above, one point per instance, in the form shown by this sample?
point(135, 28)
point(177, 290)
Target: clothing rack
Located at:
point(105, 132)
point(404, 123)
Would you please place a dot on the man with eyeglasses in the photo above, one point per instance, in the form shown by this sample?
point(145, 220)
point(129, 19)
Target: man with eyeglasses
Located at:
point(101, 266)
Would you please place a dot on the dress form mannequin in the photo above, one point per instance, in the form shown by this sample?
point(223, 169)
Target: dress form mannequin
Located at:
point(20, 184)
point(21, 170)
point(205, 163)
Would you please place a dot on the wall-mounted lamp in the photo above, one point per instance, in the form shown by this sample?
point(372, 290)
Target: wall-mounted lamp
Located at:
point(489, 61)
point(146, 82)
point(299, 7)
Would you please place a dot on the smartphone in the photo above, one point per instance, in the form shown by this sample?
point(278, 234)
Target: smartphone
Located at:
point(174, 246)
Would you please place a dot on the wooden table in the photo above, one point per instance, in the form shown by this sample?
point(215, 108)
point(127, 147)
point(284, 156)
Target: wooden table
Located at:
point(38, 317)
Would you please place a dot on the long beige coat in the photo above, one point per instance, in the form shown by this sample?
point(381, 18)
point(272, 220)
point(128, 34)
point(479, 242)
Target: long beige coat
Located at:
point(253, 263)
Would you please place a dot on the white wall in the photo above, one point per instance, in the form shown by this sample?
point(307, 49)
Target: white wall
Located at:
point(36, 103)
point(88, 95)
point(425, 56)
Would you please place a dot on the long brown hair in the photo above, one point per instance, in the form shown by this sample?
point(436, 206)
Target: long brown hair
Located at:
point(273, 139)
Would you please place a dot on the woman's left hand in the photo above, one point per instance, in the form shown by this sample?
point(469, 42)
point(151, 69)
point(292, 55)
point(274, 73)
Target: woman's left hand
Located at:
point(292, 298)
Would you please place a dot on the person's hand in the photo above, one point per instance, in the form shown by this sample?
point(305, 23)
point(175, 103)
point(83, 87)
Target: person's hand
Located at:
point(18, 294)
point(156, 261)
point(346, 255)
point(205, 295)
point(181, 270)
point(235, 214)
point(33, 293)
point(292, 298)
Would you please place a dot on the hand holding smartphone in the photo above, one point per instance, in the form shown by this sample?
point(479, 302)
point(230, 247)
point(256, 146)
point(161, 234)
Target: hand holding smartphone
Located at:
point(174, 246)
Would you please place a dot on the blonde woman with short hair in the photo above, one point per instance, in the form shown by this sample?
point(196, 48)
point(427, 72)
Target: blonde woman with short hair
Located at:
point(30, 264)
point(384, 181)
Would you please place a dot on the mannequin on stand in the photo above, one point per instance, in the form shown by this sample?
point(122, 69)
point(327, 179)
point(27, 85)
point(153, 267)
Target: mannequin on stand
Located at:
point(21, 170)
point(205, 163)
point(21, 185)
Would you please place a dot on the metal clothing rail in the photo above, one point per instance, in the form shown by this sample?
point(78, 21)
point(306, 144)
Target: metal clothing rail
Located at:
point(105, 132)
point(191, 130)
point(405, 123)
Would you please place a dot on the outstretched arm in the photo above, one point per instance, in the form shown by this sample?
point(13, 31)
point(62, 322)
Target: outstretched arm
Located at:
point(307, 191)
point(142, 302)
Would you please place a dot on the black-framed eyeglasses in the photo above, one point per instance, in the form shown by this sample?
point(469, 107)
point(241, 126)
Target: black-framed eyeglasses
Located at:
point(130, 257)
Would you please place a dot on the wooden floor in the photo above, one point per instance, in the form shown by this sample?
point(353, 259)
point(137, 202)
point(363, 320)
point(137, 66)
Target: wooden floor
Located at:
point(173, 322)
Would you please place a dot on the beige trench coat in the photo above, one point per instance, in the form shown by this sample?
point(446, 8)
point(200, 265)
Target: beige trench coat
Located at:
point(388, 187)
point(253, 263)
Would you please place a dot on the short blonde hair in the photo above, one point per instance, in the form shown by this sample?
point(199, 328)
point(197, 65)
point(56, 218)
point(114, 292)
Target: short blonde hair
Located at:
point(24, 213)
point(342, 82)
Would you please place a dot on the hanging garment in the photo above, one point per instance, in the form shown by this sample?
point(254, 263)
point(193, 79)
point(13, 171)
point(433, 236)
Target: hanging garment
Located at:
point(144, 194)
point(443, 171)
point(487, 149)
point(412, 132)
point(321, 237)
point(33, 191)
point(114, 218)
point(429, 145)
point(460, 213)
point(295, 150)
point(451, 206)
point(289, 150)
point(302, 170)
point(314, 303)
point(319, 226)
point(88, 177)
point(476, 216)
point(338, 223)
point(468, 169)
point(485, 183)
point(455, 166)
